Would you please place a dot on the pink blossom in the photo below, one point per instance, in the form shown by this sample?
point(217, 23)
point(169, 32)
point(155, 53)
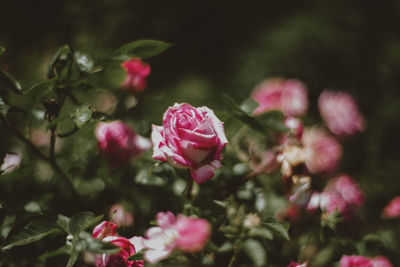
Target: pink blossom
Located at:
point(190, 138)
point(323, 152)
point(120, 216)
point(355, 261)
point(10, 163)
point(340, 113)
point(119, 143)
point(184, 233)
point(289, 96)
point(392, 210)
point(341, 194)
point(295, 126)
point(137, 71)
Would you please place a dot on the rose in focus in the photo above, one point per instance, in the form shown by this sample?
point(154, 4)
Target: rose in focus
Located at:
point(190, 138)
point(119, 143)
point(136, 73)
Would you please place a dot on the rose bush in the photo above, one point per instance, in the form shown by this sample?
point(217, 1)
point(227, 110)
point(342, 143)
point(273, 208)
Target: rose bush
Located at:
point(190, 138)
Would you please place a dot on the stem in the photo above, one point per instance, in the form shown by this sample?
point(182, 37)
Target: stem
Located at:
point(188, 189)
point(38, 153)
point(74, 130)
point(52, 144)
point(72, 97)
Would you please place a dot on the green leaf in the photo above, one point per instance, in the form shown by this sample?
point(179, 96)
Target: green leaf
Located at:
point(279, 229)
point(83, 113)
point(61, 64)
point(34, 230)
point(261, 232)
point(10, 82)
point(136, 257)
point(84, 62)
point(80, 221)
point(3, 107)
point(72, 258)
point(256, 252)
point(97, 246)
point(274, 120)
point(142, 49)
point(2, 50)
point(249, 105)
point(62, 250)
point(63, 223)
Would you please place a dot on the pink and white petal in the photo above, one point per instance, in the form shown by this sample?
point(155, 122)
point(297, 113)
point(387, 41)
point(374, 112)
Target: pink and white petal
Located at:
point(205, 172)
point(165, 219)
point(138, 242)
point(216, 124)
point(174, 159)
point(195, 155)
point(205, 140)
point(142, 143)
point(158, 140)
point(153, 256)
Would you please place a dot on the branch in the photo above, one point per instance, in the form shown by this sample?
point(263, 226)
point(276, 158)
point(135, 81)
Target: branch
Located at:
point(38, 153)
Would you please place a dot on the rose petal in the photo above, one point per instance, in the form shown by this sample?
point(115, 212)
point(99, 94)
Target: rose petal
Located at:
point(201, 140)
point(205, 172)
point(157, 139)
point(153, 256)
point(195, 155)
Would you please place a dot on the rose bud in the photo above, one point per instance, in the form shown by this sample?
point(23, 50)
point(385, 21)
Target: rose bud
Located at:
point(381, 261)
point(297, 264)
point(120, 216)
point(190, 138)
point(289, 96)
point(355, 261)
point(340, 113)
point(136, 73)
point(119, 143)
point(104, 229)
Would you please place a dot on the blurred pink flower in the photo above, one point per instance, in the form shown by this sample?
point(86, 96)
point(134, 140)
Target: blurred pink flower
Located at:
point(340, 113)
point(355, 261)
point(289, 96)
point(295, 127)
point(104, 229)
point(342, 194)
point(120, 216)
point(119, 143)
point(297, 264)
point(136, 73)
point(392, 210)
point(323, 152)
point(360, 261)
point(190, 138)
point(184, 233)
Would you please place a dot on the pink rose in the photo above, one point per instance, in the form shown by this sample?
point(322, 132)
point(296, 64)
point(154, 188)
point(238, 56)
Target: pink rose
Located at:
point(136, 73)
point(340, 113)
point(119, 143)
point(289, 96)
point(105, 231)
point(392, 210)
point(190, 138)
point(120, 216)
point(323, 152)
point(355, 261)
point(184, 233)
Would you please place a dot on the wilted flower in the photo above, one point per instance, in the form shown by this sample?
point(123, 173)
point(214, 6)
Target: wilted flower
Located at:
point(120, 216)
point(136, 73)
point(181, 232)
point(392, 210)
point(190, 138)
point(340, 113)
point(323, 152)
point(291, 156)
point(119, 143)
point(289, 96)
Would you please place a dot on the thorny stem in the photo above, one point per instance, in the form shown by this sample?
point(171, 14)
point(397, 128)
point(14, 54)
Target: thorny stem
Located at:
point(38, 153)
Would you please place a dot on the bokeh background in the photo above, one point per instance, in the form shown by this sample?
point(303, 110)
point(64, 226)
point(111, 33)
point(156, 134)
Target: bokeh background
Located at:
point(220, 47)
